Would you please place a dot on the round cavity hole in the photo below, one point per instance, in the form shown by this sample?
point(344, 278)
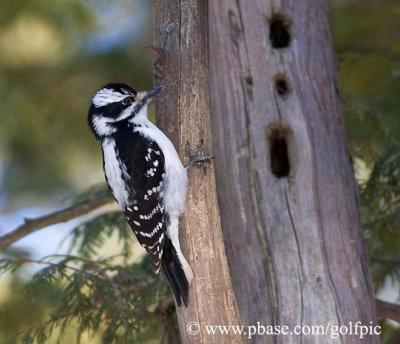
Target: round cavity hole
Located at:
point(279, 31)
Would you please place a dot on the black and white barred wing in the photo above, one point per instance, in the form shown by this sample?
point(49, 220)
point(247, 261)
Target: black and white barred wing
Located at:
point(145, 211)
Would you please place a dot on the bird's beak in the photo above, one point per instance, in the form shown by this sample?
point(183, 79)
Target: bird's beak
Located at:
point(145, 97)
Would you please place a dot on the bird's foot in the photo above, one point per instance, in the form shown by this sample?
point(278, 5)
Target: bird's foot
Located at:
point(194, 157)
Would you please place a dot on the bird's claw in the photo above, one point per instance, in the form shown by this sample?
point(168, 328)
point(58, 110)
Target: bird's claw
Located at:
point(193, 155)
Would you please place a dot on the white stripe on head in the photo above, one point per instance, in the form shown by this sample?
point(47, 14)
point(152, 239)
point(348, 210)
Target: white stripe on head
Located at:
point(126, 113)
point(102, 124)
point(107, 96)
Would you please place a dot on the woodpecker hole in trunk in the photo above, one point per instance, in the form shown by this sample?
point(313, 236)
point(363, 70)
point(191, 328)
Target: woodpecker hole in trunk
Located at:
point(278, 135)
point(249, 80)
point(279, 30)
point(281, 85)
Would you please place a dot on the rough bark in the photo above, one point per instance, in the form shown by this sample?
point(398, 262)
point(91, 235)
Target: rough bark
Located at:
point(290, 223)
point(182, 112)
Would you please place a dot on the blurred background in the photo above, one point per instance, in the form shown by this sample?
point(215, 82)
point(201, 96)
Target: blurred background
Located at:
point(54, 58)
point(55, 55)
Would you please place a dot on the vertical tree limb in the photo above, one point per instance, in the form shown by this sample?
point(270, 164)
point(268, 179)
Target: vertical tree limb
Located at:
point(183, 113)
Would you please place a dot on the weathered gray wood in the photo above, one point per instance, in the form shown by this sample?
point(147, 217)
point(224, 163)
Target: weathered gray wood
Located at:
point(294, 244)
point(183, 113)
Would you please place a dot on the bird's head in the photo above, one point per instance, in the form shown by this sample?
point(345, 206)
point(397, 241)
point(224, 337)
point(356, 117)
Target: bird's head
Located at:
point(114, 103)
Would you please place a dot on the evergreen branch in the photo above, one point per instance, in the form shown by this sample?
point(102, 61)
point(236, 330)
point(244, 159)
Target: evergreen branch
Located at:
point(386, 186)
point(102, 272)
point(95, 270)
point(95, 294)
point(387, 310)
point(386, 262)
point(20, 261)
point(32, 225)
point(89, 236)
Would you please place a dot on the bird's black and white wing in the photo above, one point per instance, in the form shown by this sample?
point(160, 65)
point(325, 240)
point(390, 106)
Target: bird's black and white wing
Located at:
point(144, 210)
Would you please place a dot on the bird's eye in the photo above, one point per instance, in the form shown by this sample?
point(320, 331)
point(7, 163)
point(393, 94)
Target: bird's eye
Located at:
point(126, 101)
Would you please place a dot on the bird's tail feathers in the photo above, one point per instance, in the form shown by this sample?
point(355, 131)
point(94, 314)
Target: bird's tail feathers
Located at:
point(177, 271)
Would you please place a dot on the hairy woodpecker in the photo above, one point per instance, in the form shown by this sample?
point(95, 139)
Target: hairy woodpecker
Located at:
point(145, 175)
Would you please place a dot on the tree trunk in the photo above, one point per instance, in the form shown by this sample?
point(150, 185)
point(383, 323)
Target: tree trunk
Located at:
point(286, 189)
point(182, 112)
